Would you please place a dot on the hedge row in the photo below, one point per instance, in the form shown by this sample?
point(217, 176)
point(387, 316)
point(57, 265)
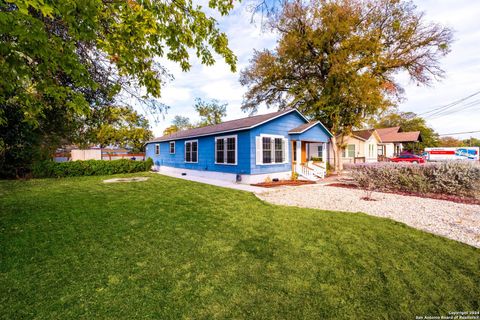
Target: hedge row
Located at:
point(455, 178)
point(50, 169)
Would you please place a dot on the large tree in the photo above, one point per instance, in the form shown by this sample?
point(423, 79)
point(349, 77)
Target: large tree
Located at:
point(335, 61)
point(179, 123)
point(66, 59)
point(210, 112)
point(472, 142)
point(451, 142)
point(409, 121)
point(117, 126)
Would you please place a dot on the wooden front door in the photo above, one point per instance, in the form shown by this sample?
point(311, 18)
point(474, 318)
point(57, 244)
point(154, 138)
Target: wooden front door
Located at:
point(304, 152)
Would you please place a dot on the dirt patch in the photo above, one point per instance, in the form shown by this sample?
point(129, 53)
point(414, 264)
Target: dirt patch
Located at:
point(437, 196)
point(133, 179)
point(283, 183)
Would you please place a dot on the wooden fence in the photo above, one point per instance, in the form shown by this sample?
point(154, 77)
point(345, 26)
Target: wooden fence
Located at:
point(67, 156)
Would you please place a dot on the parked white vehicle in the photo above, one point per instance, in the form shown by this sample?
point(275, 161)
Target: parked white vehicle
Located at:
point(445, 154)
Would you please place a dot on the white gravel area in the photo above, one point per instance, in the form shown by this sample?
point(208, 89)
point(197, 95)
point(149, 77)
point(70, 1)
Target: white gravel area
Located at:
point(456, 221)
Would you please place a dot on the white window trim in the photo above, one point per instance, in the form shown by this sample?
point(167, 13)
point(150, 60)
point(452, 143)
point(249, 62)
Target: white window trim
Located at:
point(225, 150)
point(156, 148)
point(170, 147)
point(318, 151)
point(346, 151)
point(185, 151)
point(286, 152)
point(271, 136)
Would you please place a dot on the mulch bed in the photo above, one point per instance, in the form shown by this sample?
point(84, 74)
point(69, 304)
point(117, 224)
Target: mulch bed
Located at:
point(283, 183)
point(437, 196)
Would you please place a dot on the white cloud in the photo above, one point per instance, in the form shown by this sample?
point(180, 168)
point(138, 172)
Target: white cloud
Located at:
point(462, 68)
point(172, 95)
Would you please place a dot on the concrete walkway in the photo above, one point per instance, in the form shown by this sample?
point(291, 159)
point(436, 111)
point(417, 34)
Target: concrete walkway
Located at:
point(219, 183)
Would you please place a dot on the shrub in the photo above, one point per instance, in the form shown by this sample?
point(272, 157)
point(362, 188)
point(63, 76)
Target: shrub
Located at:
point(456, 178)
point(50, 169)
point(294, 176)
point(148, 164)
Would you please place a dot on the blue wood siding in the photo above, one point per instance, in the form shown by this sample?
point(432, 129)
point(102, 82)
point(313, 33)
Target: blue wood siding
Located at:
point(206, 154)
point(279, 126)
point(314, 134)
point(246, 153)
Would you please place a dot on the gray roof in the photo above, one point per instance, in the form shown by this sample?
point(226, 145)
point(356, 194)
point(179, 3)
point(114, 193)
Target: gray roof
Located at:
point(363, 134)
point(227, 126)
point(303, 127)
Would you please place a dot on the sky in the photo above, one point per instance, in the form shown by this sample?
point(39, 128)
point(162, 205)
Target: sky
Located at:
point(462, 67)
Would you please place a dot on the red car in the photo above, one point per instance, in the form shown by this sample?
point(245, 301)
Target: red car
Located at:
point(408, 158)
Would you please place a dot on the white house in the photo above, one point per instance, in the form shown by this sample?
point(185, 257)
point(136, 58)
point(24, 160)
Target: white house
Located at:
point(372, 145)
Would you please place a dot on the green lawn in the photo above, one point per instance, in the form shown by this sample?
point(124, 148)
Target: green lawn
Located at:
point(171, 249)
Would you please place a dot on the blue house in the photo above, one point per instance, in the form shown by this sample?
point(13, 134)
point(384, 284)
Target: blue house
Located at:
point(247, 150)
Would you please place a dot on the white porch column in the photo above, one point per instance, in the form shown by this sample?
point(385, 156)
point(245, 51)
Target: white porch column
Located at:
point(324, 153)
point(299, 156)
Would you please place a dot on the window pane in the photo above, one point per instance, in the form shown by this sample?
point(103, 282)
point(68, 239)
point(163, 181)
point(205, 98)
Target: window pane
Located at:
point(351, 151)
point(188, 152)
point(231, 146)
point(172, 147)
point(267, 150)
point(220, 149)
point(278, 150)
point(230, 156)
point(194, 151)
point(380, 150)
point(320, 152)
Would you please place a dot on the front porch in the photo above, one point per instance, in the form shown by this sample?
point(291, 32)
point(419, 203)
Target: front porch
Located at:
point(388, 150)
point(309, 159)
point(309, 150)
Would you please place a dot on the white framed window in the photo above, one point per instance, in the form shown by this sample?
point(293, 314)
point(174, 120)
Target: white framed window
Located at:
point(271, 149)
point(172, 147)
point(371, 150)
point(157, 149)
point(349, 151)
point(380, 150)
point(320, 152)
point(226, 150)
point(191, 151)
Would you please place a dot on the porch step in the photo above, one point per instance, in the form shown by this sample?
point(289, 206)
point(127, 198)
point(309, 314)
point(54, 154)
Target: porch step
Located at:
point(308, 173)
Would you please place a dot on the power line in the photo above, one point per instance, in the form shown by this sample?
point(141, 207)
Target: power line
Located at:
point(464, 107)
point(449, 105)
point(456, 133)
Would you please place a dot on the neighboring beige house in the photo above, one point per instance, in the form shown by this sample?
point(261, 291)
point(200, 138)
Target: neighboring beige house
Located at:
point(372, 145)
point(393, 140)
point(361, 146)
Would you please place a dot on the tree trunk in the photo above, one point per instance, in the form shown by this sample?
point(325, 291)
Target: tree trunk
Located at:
point(337, 154)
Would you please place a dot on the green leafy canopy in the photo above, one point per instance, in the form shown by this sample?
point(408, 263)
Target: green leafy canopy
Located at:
point(336, 61)
point(64, 61)
point(43, 41)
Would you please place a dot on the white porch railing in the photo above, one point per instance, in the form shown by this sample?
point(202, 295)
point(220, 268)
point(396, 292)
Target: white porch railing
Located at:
point(318, 170)
point(308, 173)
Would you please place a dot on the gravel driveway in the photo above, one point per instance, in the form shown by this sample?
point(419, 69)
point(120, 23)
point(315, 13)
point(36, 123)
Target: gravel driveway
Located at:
point(456, 221)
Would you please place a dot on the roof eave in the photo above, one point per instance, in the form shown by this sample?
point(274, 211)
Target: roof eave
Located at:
point(306, 129)
point(227, 131)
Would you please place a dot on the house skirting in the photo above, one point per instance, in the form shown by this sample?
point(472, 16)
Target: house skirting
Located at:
point(231, 177)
